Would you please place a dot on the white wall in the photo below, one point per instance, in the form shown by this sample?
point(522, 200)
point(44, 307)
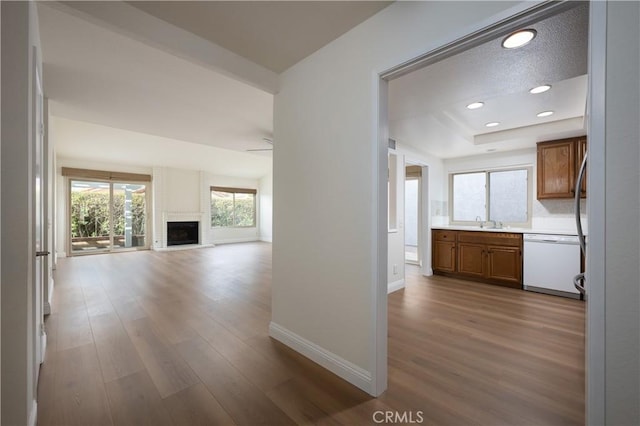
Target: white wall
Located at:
point(547, 214)
point(436, 204)
point(326, 177)
point(266, 208)
point(19, 40)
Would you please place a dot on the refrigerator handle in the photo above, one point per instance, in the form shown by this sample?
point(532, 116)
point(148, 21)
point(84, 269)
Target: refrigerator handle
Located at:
point(578, 282)
point(583, 166)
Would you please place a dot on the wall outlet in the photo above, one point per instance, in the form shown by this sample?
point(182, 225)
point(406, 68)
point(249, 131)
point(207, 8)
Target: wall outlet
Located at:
point(395, 269)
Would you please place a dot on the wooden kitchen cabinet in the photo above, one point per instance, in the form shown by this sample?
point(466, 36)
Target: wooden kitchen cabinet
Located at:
point(558, 165)
point(505, 264)
point(490, 257)
point(472, 259)
point(444, 251)
point(582, 150)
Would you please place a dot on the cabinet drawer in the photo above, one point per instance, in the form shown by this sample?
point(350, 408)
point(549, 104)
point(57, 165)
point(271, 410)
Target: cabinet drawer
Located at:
point(493, 238)
point(444, 235)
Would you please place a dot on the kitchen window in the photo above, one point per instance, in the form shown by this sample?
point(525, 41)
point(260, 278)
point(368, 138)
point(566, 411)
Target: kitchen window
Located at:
point(493, 195)
point(233, 207)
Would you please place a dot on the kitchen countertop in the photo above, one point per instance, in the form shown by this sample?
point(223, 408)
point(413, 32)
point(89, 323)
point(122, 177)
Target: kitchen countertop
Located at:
point(505, 229)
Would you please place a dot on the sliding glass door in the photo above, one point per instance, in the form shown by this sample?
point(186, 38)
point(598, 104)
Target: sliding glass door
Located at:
point(107, 216)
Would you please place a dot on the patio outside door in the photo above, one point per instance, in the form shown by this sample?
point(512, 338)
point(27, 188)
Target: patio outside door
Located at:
point(107, 216)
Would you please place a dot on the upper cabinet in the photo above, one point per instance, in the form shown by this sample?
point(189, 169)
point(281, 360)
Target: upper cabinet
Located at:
point(558, 165)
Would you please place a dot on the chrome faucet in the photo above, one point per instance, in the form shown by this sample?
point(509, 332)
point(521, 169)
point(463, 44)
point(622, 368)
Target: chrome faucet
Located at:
point(479, 219)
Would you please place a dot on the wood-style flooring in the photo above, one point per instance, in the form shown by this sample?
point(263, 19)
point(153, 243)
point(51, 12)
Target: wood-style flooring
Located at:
point(181, 338)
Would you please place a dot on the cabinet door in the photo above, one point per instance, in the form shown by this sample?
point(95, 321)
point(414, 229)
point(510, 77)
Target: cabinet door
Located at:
point(505, 264)
point(444, 256)
point(582, 149)
point(471, 259)
point(556, 169)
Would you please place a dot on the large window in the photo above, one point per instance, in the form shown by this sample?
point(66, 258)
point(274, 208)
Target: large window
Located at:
point(233, 207)
point(498, 195)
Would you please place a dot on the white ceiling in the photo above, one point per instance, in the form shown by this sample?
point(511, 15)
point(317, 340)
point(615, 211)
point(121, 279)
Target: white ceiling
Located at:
point(186, 71)
point(274, 34)
point(95, 75)
point(427, 109)
point(112, 64)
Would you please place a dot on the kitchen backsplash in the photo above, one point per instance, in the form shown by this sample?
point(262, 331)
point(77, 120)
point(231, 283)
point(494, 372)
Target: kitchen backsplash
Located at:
point(547, 214)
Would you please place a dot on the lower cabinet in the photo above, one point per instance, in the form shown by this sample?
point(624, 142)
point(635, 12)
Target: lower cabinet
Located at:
point(505, 264)
point(472, 259)
point(491, 257)
point(444, 256)
point(444, 250)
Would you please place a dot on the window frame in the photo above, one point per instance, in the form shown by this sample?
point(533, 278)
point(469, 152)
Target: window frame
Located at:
point(487, 171)
point(233, 191)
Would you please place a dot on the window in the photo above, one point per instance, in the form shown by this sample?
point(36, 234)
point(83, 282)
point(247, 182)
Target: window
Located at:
point(498, 195)
point(233, 207)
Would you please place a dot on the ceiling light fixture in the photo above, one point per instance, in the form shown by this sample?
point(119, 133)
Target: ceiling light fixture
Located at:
point(492, 124)
point(475, 105)
point(545, 114)
point(519, 38)
point(540, 89)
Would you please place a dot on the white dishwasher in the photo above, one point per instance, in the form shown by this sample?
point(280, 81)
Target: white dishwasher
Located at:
point(550, 262)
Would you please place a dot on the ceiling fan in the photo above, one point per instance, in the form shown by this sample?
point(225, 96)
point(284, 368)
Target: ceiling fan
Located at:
point(267, 140)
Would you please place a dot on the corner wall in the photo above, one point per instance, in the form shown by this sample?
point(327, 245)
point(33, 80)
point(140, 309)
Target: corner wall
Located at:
point(326, 173)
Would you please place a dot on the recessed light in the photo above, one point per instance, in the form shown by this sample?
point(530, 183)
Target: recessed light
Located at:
point(475, 105)
point(492, 124)
point(540, 89)
point(545, 113)
point(491, 150)
point(519, 38)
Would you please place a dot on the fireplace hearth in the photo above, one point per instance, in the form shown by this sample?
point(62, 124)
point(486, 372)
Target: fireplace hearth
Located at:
point(181, 233)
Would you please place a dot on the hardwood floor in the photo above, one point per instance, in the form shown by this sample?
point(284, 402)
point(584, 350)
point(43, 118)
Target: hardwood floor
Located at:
point(182, 338)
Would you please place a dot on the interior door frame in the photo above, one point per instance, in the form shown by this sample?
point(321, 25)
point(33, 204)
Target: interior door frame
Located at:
point(39, 184)
point(595, 324)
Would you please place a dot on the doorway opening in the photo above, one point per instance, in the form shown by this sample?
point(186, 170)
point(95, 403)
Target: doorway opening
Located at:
point(435, 124)
point(107, 216)
point(412, 214)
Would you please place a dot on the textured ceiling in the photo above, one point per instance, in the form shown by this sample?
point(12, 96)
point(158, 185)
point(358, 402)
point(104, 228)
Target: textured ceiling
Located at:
point(428, 107)
point(274, 34)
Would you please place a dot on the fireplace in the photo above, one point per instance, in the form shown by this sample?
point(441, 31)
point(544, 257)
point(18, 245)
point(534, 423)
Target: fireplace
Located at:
point(180, 233)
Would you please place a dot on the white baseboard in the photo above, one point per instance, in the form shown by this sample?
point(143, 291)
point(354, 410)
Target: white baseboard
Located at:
point(266, 239)
point(33, 415)
point(395, 286)
point(184, 247)
point(350, 372)
point(46, 306)
point(236, 240)
point(43, 346)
